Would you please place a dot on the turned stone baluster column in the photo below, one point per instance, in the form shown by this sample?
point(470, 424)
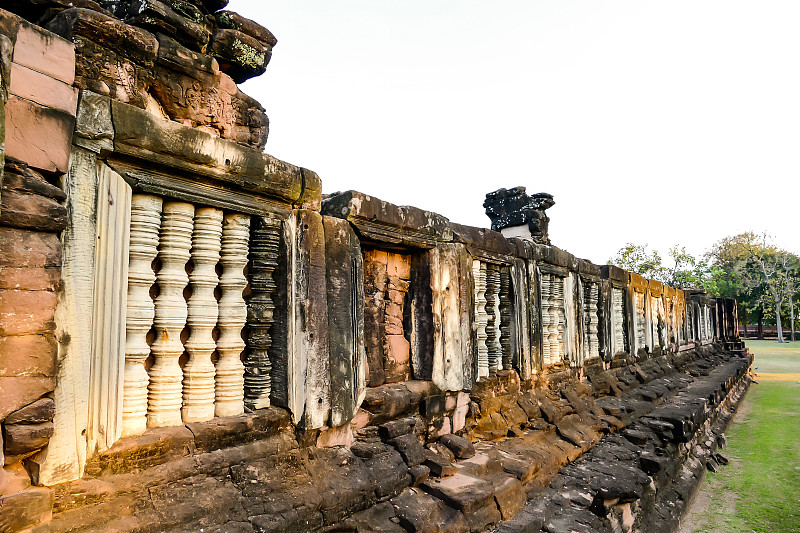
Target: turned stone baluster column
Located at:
point(545, 317)
point(145, 224)
point(264, 248)
point(166, 376)
point(232, 316)
point(493, 312)
point(481, 318)
point(504, 310)
point(618, 296)
point(198, 374)
point(590, 301)
point(558, 318)
point(640, 321)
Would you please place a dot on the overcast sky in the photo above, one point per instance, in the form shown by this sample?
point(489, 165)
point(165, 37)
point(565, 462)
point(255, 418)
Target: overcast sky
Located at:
point(671, 122)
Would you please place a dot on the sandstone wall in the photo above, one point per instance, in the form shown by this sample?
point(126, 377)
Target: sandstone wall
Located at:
point(192, 336)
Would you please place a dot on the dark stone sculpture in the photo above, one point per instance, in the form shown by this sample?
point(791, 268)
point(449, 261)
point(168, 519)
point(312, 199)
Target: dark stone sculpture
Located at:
point(513, 207)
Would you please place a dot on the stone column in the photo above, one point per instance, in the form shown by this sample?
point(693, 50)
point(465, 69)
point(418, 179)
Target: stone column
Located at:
point(198, 374)
point(232, 316)
point(481, 318)
point(165, 391)
point(145, 225)
point(265, 236)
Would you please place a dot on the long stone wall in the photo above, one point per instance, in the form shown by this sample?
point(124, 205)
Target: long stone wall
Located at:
point(193, 336)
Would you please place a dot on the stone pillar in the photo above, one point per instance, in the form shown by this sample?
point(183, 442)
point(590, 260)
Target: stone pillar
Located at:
point(345, 297)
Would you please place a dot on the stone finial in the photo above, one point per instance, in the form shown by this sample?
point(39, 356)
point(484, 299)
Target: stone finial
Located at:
point(517, 214)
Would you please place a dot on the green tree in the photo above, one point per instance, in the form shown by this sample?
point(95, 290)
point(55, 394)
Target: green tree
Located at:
point(761, 276)
point(639, 259)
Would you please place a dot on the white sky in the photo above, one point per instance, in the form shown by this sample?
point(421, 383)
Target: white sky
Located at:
point(650, 122)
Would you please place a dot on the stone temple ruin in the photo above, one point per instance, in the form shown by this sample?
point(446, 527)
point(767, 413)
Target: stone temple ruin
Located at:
point(194, 338)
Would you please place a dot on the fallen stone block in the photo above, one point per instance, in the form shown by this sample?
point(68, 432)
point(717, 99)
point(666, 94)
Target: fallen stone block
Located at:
point(461, 447)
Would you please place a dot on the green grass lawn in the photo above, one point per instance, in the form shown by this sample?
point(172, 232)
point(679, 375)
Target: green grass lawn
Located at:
point(760, 489)
point(771, 356)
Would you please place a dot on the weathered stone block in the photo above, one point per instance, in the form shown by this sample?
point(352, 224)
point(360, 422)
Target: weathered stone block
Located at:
point(42, 89)
point(158, 16)
point(461, 447)
point(38, 135)
point(344, 281)
point(421, 512)
point(26, 510)
point(133, 454)
point(335, 436)
point(439, 466)
point(26, 312)
point(397, 365)
point(233, 21)
point(44, 52)
point(31, 211)
point(240, 56)
point(17, 392)
point(509, 495)
point(28, 355)
point(22, 439)
point(228, 431)
point(38, 412)
point(30, 279)
point(409, 449)
point(170, 144)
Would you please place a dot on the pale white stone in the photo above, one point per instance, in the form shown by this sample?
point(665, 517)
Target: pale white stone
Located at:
point(481, 318)
point(198, 374)
point(232, 316)
point(145, 225)
point(165, 390)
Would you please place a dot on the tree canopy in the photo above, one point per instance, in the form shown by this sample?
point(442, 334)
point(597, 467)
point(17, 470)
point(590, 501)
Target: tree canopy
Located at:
point(761, 276)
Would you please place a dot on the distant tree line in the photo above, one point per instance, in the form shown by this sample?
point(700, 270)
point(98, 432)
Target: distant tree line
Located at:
point(763, 278)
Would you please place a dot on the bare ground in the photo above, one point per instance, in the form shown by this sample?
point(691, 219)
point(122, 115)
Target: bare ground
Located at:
point(696, 517)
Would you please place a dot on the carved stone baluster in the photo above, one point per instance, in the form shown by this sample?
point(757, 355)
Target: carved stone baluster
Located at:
point(481, 318)
point(166, 376)
point(641, 339)
point(493, 322)
point(264, 249)
point(558, 318)
point(619, 319)
point(198, 374)
point(232, 316)
point(504, 307)
point(547, 287)
point(145, 223)
point(590, 292)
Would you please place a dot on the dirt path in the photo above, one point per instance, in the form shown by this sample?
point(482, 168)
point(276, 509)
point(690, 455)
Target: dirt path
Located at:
point(696, 517)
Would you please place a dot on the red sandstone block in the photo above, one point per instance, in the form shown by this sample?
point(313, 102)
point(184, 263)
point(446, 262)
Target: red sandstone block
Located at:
point(27, 312)
point(17, 392)
point(399, 266)
point(28, 355)
point(31, 211)
point(30, 279)
point(397, 363)
point(45, 52)
point(21, 248)
point(42, 89)
point(40, 136)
